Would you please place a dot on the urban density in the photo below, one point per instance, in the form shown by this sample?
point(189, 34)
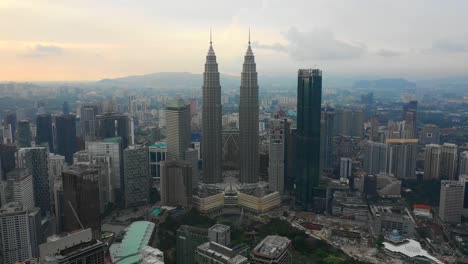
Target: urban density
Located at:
point(220, 168)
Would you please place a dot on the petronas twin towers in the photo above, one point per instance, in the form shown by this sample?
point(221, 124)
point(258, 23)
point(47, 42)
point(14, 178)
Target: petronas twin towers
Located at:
point(212, 124)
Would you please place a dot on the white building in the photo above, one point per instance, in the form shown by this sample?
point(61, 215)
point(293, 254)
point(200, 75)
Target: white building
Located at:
point(451, 201)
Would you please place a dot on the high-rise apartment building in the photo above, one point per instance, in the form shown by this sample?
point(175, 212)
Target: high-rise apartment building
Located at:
point(211, 120)
point(178, 129)
point(432, 159)
point(449, 162)
point(375, 157)
point(20, 188)
point(88, 113)
point(66, 136)
point(451, 201)
point(44, 133)
point(277, 155)
point(24, 134)
point(81, 198)
point(402, 158)
point(137, 181)
point(176, 183)
point(272, 250)
point(248, 120)
point(20, 233)
point(309, 99)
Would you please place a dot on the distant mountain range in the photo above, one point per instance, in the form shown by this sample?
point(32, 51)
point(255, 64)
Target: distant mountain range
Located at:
point(186, 80)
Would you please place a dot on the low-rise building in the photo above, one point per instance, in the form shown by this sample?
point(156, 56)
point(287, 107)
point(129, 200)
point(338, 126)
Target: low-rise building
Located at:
point(384, 219)
point(272, 250)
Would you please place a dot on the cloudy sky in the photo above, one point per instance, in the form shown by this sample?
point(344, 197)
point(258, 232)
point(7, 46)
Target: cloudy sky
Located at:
point(89, 39)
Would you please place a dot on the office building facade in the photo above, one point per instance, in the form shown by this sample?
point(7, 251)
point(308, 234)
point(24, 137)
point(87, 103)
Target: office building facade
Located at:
point(176, 183)
point(44, 133)
point(451, 201)
point(309, 98)
point(449, 162)
point(66, 136)
point(277, 150)
point(432, 159)
point(137, 181)
point(178, 129)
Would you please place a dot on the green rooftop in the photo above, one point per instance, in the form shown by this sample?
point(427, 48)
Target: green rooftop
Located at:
point(112, 140)
point(137, 235)
point(159, 145)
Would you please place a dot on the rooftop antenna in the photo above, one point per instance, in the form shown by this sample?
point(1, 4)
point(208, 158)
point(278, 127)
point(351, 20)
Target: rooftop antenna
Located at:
point(249, 36)
point(210, 37)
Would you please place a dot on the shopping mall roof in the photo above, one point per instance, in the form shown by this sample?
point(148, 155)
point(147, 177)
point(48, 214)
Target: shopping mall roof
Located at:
point(137, 236)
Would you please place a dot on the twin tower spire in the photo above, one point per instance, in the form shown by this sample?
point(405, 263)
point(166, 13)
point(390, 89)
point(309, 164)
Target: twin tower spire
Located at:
point(212, 122)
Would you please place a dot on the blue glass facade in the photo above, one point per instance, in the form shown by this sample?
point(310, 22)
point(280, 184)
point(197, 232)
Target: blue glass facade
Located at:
point(309, 99)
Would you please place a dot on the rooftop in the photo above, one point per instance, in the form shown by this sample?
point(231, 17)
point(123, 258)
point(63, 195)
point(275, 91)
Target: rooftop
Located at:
point(411, 248)
point(219, 228)
point(272, 246)
point(112, 140)
point(137, 236)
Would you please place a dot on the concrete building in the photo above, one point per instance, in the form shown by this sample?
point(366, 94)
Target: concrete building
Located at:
point(463, 169)
point(272, 250)
point(35, 160)
point(430, 134)
point(346, 168)
point(137, 182)
point(451, 201)
point(248, 120)
point(376, 157)
point(258, 200)
point(211, 121)
point(111, 125)
point(76, 247)
point(220, 234)
point(214, 253)
point(81, 198)
point(111, 147)
point(277, 155)
point(24, 134)
point(188, 239)
point(176, 183)
point(191, 155)
point(178, 129)
point(20, 188)
point(449, 162)
point(157, 153)
point(402, 158)
point(20, 233)
point(349, 205)
point(432, 159)
point(385, 219)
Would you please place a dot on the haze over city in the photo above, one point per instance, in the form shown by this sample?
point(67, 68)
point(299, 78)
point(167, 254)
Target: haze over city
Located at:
point(91, 40)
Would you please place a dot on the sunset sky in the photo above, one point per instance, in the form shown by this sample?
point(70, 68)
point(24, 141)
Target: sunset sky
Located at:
point(95, 39)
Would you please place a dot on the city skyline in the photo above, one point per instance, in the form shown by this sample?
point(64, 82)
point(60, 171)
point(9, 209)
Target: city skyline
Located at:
point(349, 39)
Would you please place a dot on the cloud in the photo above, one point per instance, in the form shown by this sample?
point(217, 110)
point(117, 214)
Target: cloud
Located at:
point(388, 53)
point(445, 45)
point(275, 47)
point(320, 45)
point(40, 50)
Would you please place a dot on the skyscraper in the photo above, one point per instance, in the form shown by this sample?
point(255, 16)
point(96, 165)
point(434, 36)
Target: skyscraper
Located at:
point(409, 115)
point(44, 131)
point(402, 158)
point(137, 181)
point(463, 169)
point(35, 160)
point(248, 120)
point(110, 125)
point(211, 120)
point(346, 168)
point(20, 185)
point(326, 138)
point(375, 157)
point(432, 162)
point(451, 201)
point(81, 198)
point(66, 136)
point(176, 183)
point(430, 134)
point(24, 134)
point(448, 162)
point(88, 114)
point(309, 99)
point(178, 129)
point(20, 233)
point(277, 155)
